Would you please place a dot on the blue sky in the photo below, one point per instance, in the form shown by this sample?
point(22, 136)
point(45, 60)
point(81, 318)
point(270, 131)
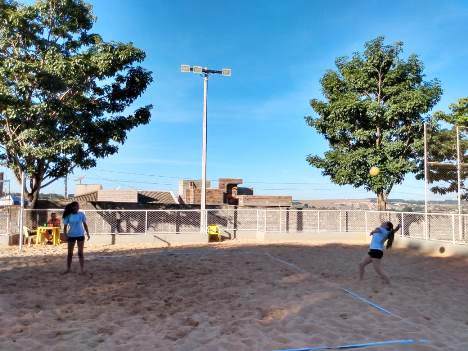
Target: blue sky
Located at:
point(278, 50)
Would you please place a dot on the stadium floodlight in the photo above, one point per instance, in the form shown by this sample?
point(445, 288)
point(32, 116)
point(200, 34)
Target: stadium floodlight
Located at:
point(185, 68)
point(197, 69)
point(205, 72)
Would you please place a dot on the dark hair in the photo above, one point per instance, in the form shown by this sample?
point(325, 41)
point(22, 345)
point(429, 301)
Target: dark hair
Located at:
point(391, 236)
point(69, 209)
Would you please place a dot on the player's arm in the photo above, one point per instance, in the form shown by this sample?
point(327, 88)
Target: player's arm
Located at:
point(85, 225)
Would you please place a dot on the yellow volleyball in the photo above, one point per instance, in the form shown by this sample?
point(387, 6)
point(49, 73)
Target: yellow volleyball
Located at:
point(374, 171)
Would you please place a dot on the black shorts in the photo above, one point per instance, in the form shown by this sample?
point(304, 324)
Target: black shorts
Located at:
point(72, 239)
point(375, 253)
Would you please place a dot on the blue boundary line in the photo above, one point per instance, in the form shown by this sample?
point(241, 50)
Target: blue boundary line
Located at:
point(380, 308)
point(361, 346)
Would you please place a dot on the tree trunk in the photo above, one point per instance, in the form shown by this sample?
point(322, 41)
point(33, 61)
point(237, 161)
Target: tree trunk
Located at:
point(32, 198)
point(381, 201)
point(33, 194)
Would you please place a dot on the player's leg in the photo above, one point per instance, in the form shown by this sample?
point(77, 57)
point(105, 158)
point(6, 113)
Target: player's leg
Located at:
point(363, 265)
point(81, 255)
point(377, 263)
point(71, 247)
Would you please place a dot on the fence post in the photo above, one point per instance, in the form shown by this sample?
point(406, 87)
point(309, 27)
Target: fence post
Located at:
point(280, 220)
point(340, 220)
point(318, 221)
point(8, 213)
point(146, 222)
point(365, 222)
point(258, 219)
point(453, 228)
point(460, 227)
point(402, 230)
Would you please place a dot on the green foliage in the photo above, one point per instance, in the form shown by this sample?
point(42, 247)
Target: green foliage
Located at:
point(373, 116)
point(442, 148)
point(64, 91)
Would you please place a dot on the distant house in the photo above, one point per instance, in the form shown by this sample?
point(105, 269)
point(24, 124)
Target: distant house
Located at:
point(110, 197)
point(11, 200)
point(228, 192)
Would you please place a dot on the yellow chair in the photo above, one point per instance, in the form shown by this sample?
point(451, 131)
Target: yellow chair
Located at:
point(213, 231)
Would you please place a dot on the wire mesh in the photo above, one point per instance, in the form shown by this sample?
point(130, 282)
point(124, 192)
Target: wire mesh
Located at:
point(4, 221)
point(432, 226)
point(447, 166)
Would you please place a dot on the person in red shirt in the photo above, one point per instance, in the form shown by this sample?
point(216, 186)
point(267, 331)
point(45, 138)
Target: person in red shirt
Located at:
point(53, 221)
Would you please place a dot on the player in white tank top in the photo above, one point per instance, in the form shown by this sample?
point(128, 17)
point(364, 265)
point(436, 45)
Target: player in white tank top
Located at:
point(380, 235)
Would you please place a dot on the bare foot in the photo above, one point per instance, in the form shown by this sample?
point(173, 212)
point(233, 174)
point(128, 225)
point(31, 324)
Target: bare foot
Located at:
point(66, 272)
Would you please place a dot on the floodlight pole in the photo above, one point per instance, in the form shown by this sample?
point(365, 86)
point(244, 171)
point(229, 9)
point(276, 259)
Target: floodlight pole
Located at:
point(204, 142)
point(459, 171)
point(426, 184)
point(205, 72)
point(426, 173)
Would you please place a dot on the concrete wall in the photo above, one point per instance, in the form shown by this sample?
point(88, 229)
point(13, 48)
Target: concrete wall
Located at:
point(264, 201)
point(351, 238)
point(431, 247)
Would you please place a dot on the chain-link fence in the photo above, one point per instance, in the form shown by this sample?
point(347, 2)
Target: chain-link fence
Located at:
point(431, 226)
point(446, 169)
point(4, 221)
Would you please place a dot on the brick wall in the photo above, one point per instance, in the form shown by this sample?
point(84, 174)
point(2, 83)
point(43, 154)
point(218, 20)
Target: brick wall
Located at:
point(223, 182)
point(213, 196)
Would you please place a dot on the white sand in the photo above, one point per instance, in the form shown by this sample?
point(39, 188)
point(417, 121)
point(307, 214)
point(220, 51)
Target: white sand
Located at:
point(227, 297)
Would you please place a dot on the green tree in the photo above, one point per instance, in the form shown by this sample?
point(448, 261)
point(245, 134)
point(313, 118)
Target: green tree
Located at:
point(64, 91)
point(442, 150)
point(372, 115)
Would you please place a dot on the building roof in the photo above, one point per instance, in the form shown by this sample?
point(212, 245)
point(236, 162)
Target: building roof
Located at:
point(160, 197)
point(144, 197)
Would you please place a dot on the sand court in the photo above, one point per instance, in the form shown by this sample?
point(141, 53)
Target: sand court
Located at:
point(230, 297)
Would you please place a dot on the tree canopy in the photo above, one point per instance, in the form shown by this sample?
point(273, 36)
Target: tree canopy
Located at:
point(64, 91)
point(372, 115)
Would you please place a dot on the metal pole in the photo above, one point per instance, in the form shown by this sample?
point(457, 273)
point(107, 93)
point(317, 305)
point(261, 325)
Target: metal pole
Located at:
point(146, 222)
point(23, 176)
point(203, 191)
point(459, 180)
point(340, 220)
point(66, 187)
point(453, 228)
point(426, 171)
point(458, 171)
point(318, 221)
point(402, 230)
point(426, 180)
point(365, 223)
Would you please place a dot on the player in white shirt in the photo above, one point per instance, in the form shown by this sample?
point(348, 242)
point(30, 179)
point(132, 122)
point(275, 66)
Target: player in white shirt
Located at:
point(380, 235)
